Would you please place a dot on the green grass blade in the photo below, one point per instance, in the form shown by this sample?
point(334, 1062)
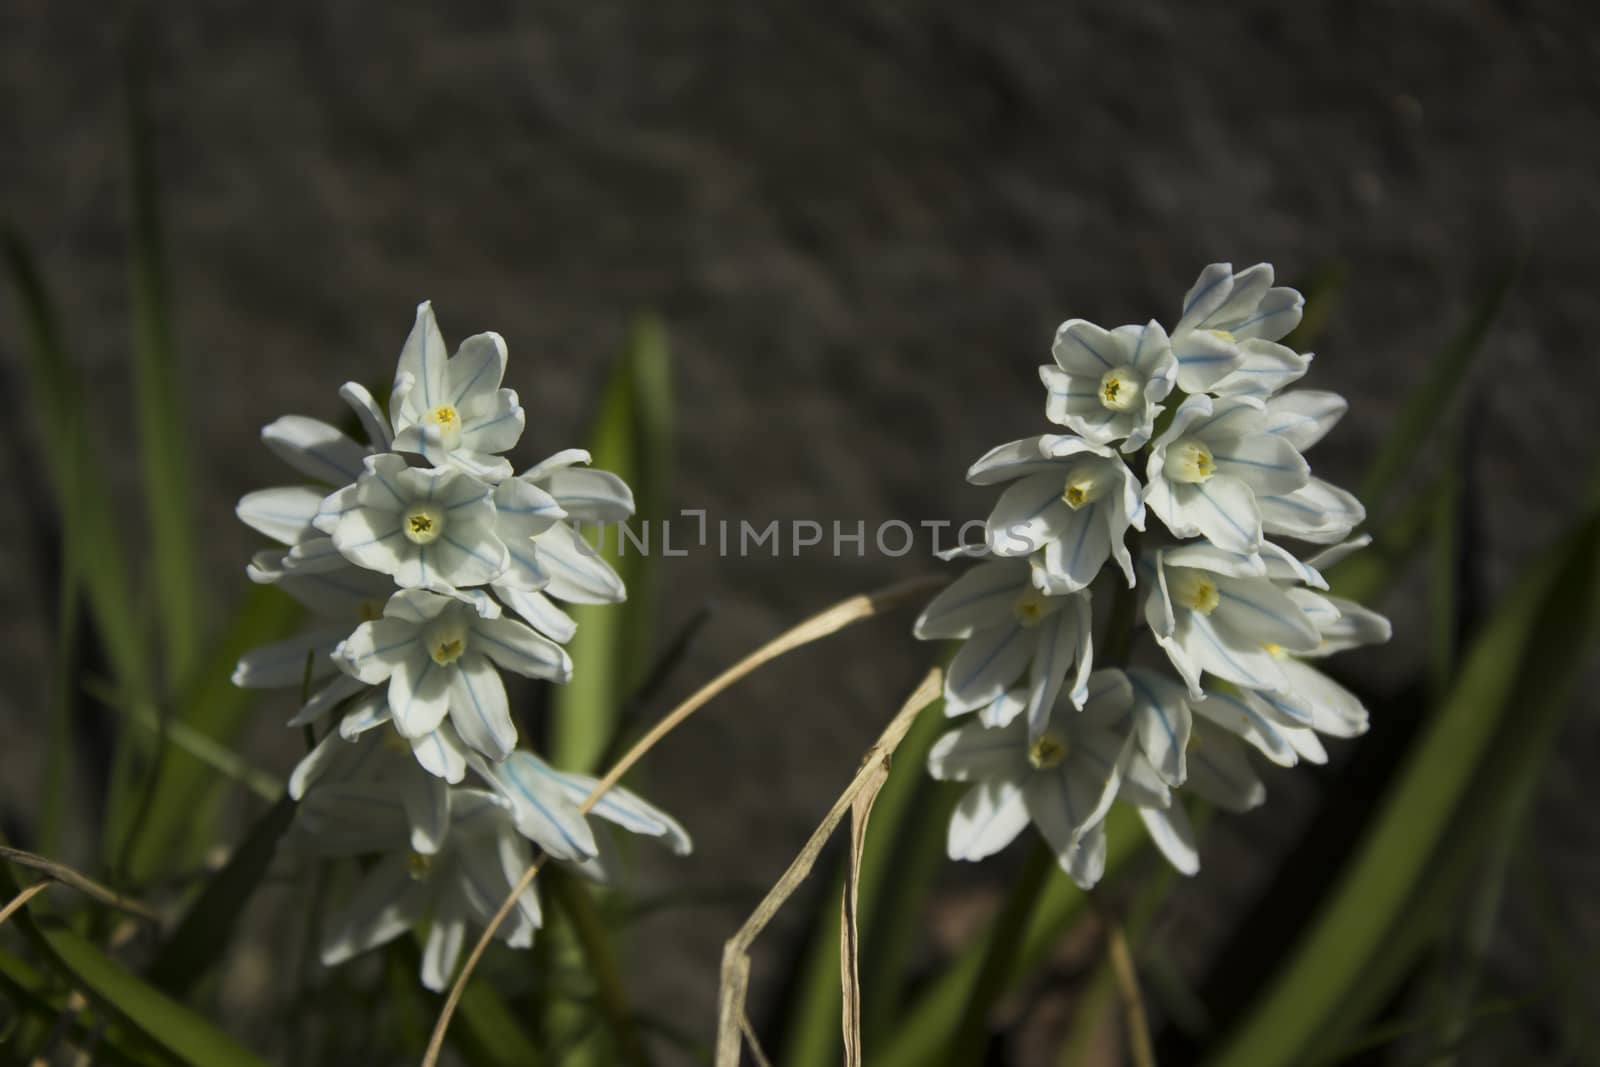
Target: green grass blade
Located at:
point(207, 927)
point(1336, 957)
point(612, 649)
point(924, 1031)
point(82, 496)
point(185, 1035)
point(1430, 400)
point(179, 819)
point(163, 405)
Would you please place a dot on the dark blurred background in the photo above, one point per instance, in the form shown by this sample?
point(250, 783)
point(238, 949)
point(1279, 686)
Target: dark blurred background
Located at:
point(860, 225)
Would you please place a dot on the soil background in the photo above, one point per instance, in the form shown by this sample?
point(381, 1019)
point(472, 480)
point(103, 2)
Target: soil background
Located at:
point(861, 224)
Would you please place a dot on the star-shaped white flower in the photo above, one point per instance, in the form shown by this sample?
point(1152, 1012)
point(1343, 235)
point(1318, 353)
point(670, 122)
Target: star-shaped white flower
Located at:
point(430, 529)
point(1008, 628)
point(1225, 340)
point(1063, 781)
point(481, 858)
point(1107, 385)
point(549, 558)
point(1210, 466)
point(1071, 501)
point(1213, 614)
point(453, 411)
point(438, 655)
point(545, 805)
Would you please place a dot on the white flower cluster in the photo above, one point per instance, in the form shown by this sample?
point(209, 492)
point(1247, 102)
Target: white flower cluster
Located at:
point(430, 568)
point(1237, 615)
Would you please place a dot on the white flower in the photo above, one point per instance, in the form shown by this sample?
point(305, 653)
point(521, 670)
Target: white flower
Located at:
point(548, 556)
point(345, 769)
point(430, 529)
point(320, 452)
point(1224, 343)
point(453, 410)
point(1319, 511)
point(462, 885)
point(1208, 468)
point(1072, 499)
point(1009, 627)
point(438, 655)
point(1063, 781)
point(1108, 384)
point(545, 805)
point(1214, 615)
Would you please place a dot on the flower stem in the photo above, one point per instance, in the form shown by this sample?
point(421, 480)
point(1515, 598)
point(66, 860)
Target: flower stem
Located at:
point(1005, 939)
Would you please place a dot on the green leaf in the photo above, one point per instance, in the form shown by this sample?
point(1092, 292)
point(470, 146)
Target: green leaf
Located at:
point(577, 904)
point(632, 438)
point(923, 1033)
point(163, 404)
point(179, 819)
point(181, 1032)
point(1430, 400)
point(1526, 653)
point(45, 999)
point(487, 1034)
point(72, 459)
point(207, 927)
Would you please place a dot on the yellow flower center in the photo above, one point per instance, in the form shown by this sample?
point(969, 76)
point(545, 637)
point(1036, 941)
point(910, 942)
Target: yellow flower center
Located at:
point(1047, 752)
point(446, 643)
point(1085, 484)
point(1120, 389)
point(1193, 589)
point(422, 524)
point(1031, 607)
point(418, 865)
point(448, 420)
point(370, 610)
point(1190, 461)
point(1223, 335)
point(1275, 651)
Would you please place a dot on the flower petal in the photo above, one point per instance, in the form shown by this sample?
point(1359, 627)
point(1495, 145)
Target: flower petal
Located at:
point(375, 650)
point(1172, 833)
point(986, 665)
point(385, 905)
point(441, 950)
point(1028, 515)
point(974, 753)
point(496, 429)
point(1162, 723)
point(517, 648)
point(590, 496)
point(1239, 718)
point(1010, 461)
point(1082, 348)
point(541, 805)
point(1264, 368)
point(987, 819)
point(441, 754)
point(373, 421)
point(419, 694)
point(1304, 415)
point(282, 664)
point(1220, 771)
point(1268, 464)
point(283, 514)
point(315, 449)
point(540, 612)
point(478, 707)
point(577, 572)
point(423, 358)
point(1222, 509)
point(475, 372)
point(981, 598)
